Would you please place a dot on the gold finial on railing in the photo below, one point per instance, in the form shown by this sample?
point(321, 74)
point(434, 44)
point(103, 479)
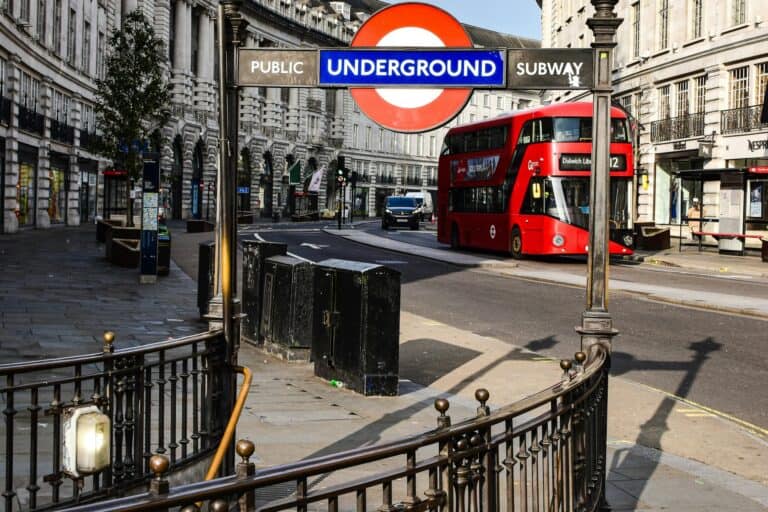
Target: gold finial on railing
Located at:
point(219, 505)
point(482, 395)
point(245, 449)
point(442, 405)
point(159, 465)
point(580, 358)
point(109, 338)
point(566, 366)
point(190, 508)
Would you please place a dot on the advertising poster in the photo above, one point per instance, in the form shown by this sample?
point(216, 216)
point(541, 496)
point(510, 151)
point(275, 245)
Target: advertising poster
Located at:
point(756, 200)
point(474, 169)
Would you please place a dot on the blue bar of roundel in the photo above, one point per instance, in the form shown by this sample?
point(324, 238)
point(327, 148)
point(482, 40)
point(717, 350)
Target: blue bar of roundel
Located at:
point(443, 68)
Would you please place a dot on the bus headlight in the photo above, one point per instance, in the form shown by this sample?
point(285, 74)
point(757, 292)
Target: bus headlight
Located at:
point(628, 240)
point(558, 240)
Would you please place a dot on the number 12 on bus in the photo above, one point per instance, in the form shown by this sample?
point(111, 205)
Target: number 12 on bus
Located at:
point(520, 183)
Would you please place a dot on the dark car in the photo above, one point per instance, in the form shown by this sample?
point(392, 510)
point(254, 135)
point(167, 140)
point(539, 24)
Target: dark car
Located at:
point(401, 211)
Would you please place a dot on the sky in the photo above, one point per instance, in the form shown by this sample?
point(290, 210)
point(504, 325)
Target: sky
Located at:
point(516, 17)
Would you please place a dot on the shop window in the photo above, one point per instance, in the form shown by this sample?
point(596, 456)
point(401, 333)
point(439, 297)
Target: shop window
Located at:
point(25, 194)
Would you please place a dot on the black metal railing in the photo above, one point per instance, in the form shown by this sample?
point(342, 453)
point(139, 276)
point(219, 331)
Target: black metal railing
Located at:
point(161, 398)
point(738, 120)
point(683, 127)
point(431, 182)
point(543, 453)
point(62, 132)
point(412, 180)
point(31, 121)
point(386, 179)
point(6, 110)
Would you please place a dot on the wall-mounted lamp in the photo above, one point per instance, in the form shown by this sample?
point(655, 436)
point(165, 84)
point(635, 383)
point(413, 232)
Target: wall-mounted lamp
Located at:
point(87, 436)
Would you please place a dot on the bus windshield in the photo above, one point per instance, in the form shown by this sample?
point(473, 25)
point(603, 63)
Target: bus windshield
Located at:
point(567, 199)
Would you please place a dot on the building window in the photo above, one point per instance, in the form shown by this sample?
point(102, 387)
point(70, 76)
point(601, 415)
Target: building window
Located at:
point(682, 101)
point(700, 94)
point(664, 105)
point(696, 17)
point(367, 137)
point(663, 24)
point(626, 103)
point(30, 92)
point(500, 103)
point(41, 19)
point(100, 55)
point(636, 30)
point(355, 135)
point(71, 37)
point(86, 51)
point(486, 100)
point(739, 87)
point(739, 12)
point(762, 82)
point(57, 27)
point(24, 11)
point(193, 41)
point(432, 145)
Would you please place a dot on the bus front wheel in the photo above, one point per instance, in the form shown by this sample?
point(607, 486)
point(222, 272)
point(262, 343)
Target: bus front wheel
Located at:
point(516, 243)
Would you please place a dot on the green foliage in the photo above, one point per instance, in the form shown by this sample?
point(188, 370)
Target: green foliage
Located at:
point(134, 95)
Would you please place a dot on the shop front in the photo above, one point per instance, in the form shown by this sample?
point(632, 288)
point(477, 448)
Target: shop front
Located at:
point(58, 190)
point(26, 187)
point(115, 192)
point(88, 190)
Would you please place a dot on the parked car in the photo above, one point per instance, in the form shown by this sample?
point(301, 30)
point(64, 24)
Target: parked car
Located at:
point(424, 200)
point(401, 211)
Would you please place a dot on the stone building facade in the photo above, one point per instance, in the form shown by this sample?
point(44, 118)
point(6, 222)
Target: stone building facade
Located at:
point(693, 74)
point(51, 51)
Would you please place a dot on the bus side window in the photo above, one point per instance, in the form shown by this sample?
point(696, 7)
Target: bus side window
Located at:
point(542, 130)
point(526, 134)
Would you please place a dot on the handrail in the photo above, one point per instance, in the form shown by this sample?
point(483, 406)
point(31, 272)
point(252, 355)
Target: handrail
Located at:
point(573, 429)
point(231, 424)
point(47, 364)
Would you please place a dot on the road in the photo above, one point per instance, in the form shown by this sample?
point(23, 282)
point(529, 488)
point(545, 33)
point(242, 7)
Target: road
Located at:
point(712, 358)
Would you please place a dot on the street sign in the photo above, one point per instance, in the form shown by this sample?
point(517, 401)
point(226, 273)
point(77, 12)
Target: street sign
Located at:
point(277, 68)
point(550, 68)
point(411, 25)
point(412, 68)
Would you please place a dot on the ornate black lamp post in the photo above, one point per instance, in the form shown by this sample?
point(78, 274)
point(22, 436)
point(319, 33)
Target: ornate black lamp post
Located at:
point(597, 326)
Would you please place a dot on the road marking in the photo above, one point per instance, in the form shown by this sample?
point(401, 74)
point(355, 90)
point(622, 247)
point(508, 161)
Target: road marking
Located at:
point(745, 424)
point(391, 262)
point(313, 246)
point(433, 323)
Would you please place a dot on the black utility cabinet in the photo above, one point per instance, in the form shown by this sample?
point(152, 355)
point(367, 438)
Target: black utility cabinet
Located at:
point(255, 253)
point(356, 325)
point(286, 313)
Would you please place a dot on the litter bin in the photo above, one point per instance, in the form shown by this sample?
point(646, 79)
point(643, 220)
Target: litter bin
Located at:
point(205, 275)
point(286, 314)
point(163, 250)
point(356, 324)
point(255, 252)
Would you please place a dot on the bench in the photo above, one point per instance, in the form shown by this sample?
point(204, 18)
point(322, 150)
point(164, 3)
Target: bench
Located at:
point(718, 236)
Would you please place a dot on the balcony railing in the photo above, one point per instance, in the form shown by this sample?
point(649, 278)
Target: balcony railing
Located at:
point(385, 179)
point(738, 120)
point(412, 180)
point(683, 127)
point(545, 452)
point(89, 141)
point(31, 121)
point(161, 398)
point(62, 132)
point(6, 109)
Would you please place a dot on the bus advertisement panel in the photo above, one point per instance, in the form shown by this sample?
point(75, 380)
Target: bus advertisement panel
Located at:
point(520, 183)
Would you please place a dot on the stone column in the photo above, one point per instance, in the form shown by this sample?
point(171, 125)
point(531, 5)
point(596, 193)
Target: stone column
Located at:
point(204, 79)
point(292, 115)
point(181, 51)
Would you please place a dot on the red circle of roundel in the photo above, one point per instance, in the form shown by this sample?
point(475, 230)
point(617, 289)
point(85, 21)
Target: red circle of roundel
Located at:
point(444, 107)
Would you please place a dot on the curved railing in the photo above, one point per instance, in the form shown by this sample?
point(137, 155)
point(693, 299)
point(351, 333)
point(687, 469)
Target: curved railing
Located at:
point(161, 398)
point(543, 453)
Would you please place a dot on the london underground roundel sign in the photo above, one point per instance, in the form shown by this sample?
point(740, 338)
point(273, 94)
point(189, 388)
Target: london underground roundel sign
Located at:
point(411, 25)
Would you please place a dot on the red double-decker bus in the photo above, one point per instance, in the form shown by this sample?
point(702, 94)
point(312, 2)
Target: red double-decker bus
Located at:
point(520, 183)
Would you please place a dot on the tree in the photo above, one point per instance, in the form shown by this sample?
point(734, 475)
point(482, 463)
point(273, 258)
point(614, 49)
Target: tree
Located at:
point(132, 97)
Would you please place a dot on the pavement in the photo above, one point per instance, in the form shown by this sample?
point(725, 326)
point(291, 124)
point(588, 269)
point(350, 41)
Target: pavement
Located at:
point(58, 295)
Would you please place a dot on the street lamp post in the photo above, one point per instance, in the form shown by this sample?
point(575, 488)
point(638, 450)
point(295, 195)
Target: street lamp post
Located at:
point(596, 326)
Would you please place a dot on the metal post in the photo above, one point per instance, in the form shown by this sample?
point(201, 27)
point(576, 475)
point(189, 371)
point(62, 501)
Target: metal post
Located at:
point(231, 28)
point(596, 327)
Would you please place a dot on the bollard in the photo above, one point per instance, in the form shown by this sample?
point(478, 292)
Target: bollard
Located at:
point(246, 468)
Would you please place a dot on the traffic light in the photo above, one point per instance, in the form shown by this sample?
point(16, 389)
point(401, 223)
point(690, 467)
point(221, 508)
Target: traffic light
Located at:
point(342, 173)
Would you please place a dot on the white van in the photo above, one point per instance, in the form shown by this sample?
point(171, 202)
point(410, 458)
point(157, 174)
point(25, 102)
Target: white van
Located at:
point(425, 202)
